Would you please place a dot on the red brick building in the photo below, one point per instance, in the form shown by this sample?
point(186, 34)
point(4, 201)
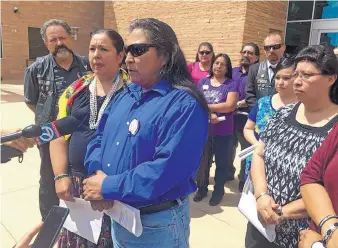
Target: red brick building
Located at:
point(226, 24)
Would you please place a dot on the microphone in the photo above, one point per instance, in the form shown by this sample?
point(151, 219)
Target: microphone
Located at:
point(46, 132)
point(42, 134)
point(57, 128)
point(31, 131)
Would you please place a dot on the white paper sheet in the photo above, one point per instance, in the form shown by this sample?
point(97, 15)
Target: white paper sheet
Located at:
point(247, 206)
point(82, 219)
point(126, 216)
point(246, 152)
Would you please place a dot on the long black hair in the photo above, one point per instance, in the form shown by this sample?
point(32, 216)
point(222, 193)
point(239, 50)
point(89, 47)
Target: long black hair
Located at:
point(286, 61)
point(207, 44)
point(114, 36)
point(228, 65)
point(175, 69)
point(325, 60)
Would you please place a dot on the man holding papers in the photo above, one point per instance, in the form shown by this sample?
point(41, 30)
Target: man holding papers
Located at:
point(146, 152)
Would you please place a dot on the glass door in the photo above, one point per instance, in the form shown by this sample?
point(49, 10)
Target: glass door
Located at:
point(324, 32)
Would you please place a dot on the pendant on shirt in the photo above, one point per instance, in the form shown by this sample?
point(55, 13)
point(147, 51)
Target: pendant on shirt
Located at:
point(134, 126)
point(262, 75)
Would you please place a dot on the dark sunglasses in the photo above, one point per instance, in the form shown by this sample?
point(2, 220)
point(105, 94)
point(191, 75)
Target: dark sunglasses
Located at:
point(204, 52)
point(137, 49)
point(274, 47)
point(247, 52)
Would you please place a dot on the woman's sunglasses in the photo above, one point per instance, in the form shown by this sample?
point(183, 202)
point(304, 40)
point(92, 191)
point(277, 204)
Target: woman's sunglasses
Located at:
point(137, 49)
point(204, 52)
point(274, 47)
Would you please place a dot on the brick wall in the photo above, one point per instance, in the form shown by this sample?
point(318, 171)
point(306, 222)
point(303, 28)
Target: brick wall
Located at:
point(227, 25)
point(220, 23)
point(263, 17)
point(86, 15)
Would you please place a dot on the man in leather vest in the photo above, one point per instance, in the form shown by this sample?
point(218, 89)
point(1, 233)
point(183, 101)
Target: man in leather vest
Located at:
point(45, 81)
point(261, 76)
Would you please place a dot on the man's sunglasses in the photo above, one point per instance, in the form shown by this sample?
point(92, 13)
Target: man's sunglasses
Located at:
point(274, 47)
point(204, 52)
point(137, 49)
point(247, 52)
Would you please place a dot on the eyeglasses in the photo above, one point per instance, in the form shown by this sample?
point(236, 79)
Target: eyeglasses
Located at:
point(247, 52)
point(220, 64)
point(305, 76)
point(284, 78)
point(274, 47)
point(204, 52)
point(137, 49)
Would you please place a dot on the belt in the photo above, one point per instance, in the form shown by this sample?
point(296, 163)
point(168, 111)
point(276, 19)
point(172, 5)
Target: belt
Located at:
point(160, 207)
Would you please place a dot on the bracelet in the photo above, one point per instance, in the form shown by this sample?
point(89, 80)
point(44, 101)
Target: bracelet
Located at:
point(60, 176)
point(322, 222)
point(261, 194)
point(329, 233)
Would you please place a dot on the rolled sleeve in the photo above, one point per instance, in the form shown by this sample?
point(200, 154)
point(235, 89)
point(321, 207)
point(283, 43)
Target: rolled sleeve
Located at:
point(176, 159)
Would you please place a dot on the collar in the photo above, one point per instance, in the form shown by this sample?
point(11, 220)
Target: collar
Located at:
point(161, 87)
point(239, 69)
point(74, 63)
point(269, 64)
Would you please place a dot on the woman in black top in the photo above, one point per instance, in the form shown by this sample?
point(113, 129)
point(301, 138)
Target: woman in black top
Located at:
point(86, 100)
point(288, 142)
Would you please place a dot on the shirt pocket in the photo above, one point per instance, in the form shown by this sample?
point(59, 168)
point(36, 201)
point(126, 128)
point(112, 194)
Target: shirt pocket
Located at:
point(143, 142)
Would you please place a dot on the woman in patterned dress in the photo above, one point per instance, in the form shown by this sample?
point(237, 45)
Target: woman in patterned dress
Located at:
point(266, 107)
point(288, 142)
point(86, 100)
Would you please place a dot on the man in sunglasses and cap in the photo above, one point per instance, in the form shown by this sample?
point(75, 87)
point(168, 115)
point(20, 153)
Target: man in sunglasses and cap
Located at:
point(261, 76)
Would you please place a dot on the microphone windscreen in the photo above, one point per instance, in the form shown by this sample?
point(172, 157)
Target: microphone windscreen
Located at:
point(31, 131)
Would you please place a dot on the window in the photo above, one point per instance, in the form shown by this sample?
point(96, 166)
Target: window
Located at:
point(36, 45)
point(297, 36)
point(300, 10)
point(326, 9)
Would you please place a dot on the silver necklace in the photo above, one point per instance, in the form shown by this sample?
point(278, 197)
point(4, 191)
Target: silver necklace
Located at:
point(93, 102)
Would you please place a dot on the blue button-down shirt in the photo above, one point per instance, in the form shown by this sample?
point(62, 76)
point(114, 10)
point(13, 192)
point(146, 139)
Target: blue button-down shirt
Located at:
point(156, 161)
point(240, 78)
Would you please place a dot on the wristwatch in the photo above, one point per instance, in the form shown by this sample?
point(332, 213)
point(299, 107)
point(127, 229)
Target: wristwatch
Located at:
point(318, 244)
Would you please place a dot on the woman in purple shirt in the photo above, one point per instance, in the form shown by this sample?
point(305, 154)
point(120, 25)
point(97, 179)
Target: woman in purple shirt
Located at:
point(221, 94)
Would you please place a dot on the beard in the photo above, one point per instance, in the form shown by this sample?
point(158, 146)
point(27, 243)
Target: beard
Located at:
point(273, 58)
point(245, 61)
point(62, 51)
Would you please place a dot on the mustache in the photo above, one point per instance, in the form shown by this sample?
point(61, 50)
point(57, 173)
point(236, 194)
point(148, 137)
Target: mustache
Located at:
point(245, 60)
point(58, 48)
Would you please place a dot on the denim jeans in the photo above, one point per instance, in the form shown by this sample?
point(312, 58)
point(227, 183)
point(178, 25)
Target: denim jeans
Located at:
point(166, 229)
point(221, 147)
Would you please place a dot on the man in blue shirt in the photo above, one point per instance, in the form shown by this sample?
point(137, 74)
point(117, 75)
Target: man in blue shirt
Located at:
point(150, 141)
point(250, 55)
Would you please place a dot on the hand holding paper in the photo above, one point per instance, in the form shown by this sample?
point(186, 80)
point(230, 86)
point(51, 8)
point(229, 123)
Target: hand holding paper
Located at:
point(247, 206)
point(85, 222)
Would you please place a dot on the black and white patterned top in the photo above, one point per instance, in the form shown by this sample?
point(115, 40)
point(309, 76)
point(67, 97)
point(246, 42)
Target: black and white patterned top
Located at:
point(288, 147)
